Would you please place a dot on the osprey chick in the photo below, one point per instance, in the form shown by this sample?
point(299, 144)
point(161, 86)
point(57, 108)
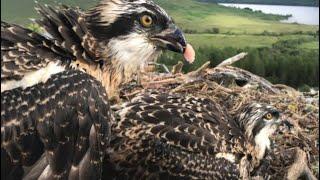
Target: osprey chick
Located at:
point(175, 136)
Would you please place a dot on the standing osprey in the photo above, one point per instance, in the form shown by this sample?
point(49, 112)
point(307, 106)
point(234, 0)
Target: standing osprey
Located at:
point(174, 136)
point(54, 88)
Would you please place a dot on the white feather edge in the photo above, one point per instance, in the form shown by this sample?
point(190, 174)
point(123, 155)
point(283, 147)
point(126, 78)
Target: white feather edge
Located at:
point(33, 78)
point(228, 156)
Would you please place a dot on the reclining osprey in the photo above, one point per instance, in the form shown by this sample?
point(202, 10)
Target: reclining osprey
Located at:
point(52, 101)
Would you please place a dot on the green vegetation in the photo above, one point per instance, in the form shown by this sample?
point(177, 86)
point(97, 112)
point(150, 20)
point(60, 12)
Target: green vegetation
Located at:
point(283, 53)
point(20, 11)
point(189, 14)
point(241, 41)
point(283, 62)
point(276, 2)
point(201, 17)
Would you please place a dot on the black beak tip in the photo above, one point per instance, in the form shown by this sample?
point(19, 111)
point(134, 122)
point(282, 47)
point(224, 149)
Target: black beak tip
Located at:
point(174, 40)
point(176, 48)
point(178, 42)
point(181, 40)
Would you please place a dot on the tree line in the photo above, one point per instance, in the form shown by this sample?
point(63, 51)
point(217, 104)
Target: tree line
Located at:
point(283, 63)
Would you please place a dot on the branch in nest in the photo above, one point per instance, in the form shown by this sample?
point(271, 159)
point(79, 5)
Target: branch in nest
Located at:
point(300, 167)
point(195, 75)
point(176, 69)
point(232, 60)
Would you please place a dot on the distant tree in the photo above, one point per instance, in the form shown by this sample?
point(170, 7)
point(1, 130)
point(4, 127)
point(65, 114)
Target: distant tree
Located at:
point(215, 30)
point(283, 63)
point(34, 27)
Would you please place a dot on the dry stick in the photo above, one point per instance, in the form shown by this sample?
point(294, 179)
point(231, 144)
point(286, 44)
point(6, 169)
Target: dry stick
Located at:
point(161, 65)
point(176, 69)
point(232, 60)
point(194, 75)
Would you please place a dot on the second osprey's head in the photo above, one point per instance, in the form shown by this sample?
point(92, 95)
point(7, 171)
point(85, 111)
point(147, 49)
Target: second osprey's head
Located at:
point(133, 32)
point(259, 121)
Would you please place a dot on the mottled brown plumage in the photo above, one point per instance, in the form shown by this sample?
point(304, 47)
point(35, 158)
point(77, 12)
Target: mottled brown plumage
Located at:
point(176, 136)
point(70, 127)
point(55, 114)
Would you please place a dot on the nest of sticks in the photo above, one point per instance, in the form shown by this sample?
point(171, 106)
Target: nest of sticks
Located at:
point(296, 149)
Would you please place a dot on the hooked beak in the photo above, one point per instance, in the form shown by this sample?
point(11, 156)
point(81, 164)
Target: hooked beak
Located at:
point(171, 39)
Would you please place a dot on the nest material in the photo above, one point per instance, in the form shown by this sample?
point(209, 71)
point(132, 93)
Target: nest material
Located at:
point(296, 148)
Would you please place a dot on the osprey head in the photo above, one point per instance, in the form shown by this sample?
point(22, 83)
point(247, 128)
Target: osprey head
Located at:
point(133, 32)
point(259, 122)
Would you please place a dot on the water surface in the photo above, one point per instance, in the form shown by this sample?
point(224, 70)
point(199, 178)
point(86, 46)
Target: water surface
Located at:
point(300, 14)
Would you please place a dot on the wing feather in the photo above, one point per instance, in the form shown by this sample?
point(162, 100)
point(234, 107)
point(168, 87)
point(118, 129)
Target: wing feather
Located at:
point(66, 38)
point(66, 119)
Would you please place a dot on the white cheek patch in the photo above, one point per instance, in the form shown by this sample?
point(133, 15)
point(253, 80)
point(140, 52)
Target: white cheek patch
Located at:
point(132, 51)
point(262, 140)
point(228, 156)
point(35, 77)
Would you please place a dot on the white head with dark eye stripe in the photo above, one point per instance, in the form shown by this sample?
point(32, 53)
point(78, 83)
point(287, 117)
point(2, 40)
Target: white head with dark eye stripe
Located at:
point(259, 121)
point(133, 32)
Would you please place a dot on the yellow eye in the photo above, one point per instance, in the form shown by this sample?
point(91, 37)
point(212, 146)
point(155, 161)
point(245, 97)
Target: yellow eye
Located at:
point(269, 116)
point(146, 20)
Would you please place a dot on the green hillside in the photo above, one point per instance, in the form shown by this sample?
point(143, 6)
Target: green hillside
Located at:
point(274, 2)
point(19, 11)
point(203, 16)
point(194, 17)
point(189, 14)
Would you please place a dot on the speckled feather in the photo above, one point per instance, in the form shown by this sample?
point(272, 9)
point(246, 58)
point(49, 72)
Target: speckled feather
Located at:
point(67, 119)
point(173, 136)
point(24, 51)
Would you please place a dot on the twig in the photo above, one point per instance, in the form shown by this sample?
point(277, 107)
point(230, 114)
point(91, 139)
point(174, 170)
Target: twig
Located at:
point(232, 60)
point(194, 75)
point(176, 69)
point(166, 69)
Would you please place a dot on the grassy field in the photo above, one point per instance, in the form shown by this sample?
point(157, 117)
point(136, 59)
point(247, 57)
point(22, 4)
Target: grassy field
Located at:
point(189, 14)
point(199, 16)
point(279, 2)
point(19, 11)
point(314, 45)
point(241, 41)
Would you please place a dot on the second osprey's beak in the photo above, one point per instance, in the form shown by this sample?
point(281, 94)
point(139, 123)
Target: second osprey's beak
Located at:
point(171, 39)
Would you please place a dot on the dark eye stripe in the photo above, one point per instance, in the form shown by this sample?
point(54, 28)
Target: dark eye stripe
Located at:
point(122, 26)
point(257, 127)
point(276, 114)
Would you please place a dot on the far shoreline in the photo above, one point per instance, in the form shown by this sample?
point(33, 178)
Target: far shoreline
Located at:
point(278, 4)
point(269, 4)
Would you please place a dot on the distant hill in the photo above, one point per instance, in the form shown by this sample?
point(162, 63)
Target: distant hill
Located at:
point(193, 16)
point(273, 2)
point(186, 11)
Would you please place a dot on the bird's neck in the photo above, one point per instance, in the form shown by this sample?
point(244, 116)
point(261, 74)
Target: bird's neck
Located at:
point(110, 75)
point(262, 142)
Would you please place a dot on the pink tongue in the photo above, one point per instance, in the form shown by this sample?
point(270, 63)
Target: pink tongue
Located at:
point(189, 54)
